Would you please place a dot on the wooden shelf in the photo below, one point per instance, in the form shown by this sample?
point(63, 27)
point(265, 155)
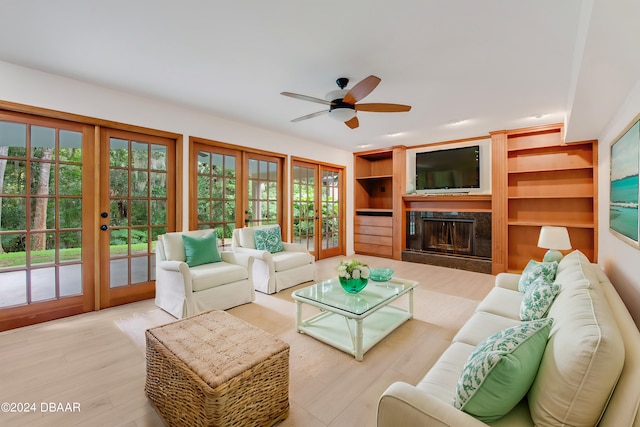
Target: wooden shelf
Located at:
point(551, 170)
point(374, 212)
point(447, 202)
point(445, 197)
point(377, 177)
point(567, 224)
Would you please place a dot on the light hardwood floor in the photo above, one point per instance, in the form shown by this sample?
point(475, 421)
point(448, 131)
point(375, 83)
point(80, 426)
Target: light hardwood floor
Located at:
point(87, 360)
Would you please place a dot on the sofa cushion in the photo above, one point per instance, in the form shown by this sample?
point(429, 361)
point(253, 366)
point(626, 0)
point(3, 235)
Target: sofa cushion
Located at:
point(482, 325)
point(500, 370)
point(583, 359)
point(574, 271)
point(535, 269)
point(201, 250)
point(173, 246)
point(537, 299)
point(287, 260)
point(269, 239)
point(246, 235)
point(442, 378)
point(208, 276)
point(503, 302)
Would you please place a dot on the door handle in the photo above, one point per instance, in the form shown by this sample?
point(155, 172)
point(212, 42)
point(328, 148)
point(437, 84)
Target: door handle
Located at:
point(104, 227)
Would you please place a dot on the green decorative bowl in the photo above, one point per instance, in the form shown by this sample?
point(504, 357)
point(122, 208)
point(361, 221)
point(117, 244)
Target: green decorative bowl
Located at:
point(353, 286)
point(381, 274)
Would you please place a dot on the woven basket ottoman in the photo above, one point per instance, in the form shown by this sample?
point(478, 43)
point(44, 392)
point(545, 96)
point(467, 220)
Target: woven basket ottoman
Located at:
point(214, 369)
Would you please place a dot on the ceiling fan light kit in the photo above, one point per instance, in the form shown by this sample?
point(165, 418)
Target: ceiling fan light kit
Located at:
point(342, 102)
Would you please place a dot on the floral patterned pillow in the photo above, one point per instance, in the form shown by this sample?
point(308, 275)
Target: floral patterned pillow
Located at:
point(535, 269)
point(268, 239)
point(501, 369)
point(537, 299)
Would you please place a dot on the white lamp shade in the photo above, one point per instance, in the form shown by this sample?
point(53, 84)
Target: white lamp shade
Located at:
point(554, 238)
point(343, 114)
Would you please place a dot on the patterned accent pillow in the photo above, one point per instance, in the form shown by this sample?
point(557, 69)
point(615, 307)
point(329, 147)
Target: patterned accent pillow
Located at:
point(268, 239)
point(501, 369)
point(537, 299)
point(535, 269)
point(201, 250)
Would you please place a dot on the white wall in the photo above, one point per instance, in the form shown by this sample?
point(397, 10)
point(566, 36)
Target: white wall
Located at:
point(34, 88)
point(620, 261)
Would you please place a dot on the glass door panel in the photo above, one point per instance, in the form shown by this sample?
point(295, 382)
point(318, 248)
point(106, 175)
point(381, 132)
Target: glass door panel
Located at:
point(317, 214)
point(331, 214)
point(305, 213)
point(263, 191)
point(137, 196)
point(43, 255)
point(217, 190)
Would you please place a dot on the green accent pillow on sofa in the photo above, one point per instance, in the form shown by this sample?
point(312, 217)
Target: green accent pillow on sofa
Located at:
point(201, 250)
point(501, 369)
point(535, 269)
point(268, 239)
point(537, 299)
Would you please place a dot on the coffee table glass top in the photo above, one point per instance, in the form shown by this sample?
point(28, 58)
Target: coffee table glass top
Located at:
point(330, 293)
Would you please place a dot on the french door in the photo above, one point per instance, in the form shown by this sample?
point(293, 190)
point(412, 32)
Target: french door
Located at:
point(234, 188)
point(317, 213)
point(137, 204)
point(47, 231)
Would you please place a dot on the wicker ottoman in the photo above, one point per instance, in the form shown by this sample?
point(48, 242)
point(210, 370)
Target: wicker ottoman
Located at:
point(214, 369)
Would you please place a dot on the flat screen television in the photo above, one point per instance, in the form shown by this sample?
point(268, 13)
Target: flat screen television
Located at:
point(448, 170)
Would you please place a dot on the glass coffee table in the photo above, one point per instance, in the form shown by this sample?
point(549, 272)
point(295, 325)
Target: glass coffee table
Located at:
point(353, 323)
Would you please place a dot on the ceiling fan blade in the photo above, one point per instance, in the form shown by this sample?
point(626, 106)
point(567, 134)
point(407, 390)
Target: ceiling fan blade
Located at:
point(306, 98)
point(310, 116)
point(362, 89)
point(383, 108)
point(353, 123)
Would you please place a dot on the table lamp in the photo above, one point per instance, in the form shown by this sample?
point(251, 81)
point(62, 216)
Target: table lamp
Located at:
point(555, 239)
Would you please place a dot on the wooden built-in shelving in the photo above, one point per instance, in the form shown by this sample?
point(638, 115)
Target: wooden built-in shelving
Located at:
point(537, 179)
point(377, 184)
point(549, 183)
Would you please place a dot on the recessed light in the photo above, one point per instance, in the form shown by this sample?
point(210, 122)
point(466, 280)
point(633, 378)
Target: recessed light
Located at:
point(458, 122)
point(395, 134)
point(363, 146)
point(538, 116)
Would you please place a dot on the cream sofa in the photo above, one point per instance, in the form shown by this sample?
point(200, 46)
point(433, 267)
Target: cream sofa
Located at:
point(273, 272)
point(184, 291)
point(589, 373)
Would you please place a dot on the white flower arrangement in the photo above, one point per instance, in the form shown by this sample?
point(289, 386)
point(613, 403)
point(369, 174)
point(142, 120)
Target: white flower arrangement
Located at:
point(353, 269)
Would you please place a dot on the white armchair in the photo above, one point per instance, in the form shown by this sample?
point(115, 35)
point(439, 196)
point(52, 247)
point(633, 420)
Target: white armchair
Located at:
point(184, 291)
point(274, 271)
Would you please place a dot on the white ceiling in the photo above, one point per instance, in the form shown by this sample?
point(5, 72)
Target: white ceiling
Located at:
point(495, 63)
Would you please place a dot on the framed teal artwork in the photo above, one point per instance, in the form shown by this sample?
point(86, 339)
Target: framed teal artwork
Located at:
point(624, 190)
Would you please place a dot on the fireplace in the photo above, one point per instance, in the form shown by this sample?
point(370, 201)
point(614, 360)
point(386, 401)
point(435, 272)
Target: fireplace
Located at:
point(448, 235)
point(450, 239)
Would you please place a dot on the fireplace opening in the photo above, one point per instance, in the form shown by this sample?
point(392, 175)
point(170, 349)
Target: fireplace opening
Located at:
point(465, 234)
point(448, 235)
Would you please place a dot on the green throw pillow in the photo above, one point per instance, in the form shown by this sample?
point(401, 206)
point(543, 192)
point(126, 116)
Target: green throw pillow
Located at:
point(268, 239)
point(201, 250)
point(537, 299)
point(501, 369)
point(535, 269)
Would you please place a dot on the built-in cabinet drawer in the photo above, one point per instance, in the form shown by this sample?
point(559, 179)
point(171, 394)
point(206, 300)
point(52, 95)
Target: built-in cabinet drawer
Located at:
point(373, 235)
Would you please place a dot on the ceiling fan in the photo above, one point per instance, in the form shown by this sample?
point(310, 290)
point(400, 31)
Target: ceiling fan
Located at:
point(343, 103)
